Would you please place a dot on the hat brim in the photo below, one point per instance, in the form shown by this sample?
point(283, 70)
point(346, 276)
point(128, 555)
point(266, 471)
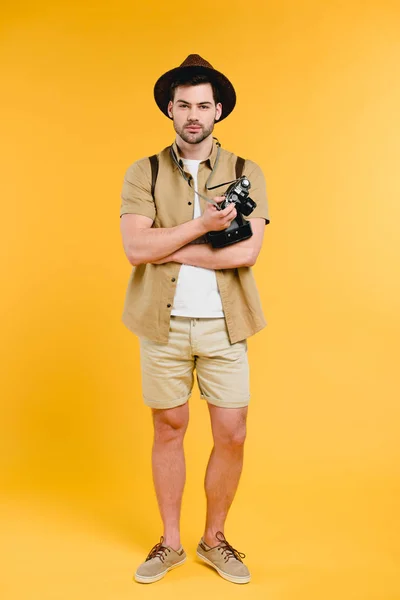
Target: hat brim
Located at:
point(226, 90)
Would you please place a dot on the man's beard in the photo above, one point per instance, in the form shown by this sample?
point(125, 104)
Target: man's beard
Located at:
point(194, 138)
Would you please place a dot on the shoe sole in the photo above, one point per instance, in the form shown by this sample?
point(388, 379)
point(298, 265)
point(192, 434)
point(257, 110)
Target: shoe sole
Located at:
point(152, 579)
point(226, 576)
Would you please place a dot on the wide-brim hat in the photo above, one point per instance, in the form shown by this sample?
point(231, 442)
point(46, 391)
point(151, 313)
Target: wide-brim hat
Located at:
point(194, 64)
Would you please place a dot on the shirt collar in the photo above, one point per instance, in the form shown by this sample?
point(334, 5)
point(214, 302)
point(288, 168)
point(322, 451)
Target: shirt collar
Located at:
point(210, 160)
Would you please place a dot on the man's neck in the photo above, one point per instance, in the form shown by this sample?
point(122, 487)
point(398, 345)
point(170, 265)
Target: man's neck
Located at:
point(195, 151)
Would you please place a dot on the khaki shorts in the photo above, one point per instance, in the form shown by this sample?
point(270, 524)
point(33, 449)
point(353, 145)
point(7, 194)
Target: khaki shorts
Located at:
point(222, 368)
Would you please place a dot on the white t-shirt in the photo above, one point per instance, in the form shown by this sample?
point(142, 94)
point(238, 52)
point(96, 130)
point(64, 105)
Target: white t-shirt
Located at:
point(196, 293)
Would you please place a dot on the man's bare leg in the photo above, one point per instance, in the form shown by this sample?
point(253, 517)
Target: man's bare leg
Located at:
point(224, 467)
point(169, 470)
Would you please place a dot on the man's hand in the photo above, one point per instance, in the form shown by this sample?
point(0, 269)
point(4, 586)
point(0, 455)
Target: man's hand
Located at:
point(212, 219)
point(217, 220)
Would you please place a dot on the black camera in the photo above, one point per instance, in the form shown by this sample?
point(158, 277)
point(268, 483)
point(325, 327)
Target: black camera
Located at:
point(238, 192)
point(239, 229)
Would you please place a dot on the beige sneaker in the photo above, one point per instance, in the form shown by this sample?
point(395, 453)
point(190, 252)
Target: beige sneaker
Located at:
point(225, 559)
point(159, 561)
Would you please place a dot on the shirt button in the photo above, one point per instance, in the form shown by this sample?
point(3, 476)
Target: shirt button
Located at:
point(189, 203)
point(168, 306)
point(173, 279)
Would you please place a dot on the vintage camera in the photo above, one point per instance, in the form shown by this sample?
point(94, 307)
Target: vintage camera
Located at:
point(238, 192)
point(239, 229)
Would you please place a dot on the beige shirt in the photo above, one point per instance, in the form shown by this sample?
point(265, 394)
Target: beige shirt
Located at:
point(151, 288)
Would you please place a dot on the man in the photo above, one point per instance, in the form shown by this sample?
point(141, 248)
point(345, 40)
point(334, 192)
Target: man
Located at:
point(192, 307)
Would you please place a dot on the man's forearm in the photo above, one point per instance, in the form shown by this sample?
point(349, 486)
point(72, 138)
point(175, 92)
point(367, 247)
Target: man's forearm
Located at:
point(153, 244)
point(204, 255)
point(241, 254)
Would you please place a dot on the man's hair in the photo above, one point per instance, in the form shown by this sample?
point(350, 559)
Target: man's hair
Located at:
point(194, 80)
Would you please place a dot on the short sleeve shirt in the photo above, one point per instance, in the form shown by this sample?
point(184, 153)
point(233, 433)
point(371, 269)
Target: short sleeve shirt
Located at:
point(151, 288)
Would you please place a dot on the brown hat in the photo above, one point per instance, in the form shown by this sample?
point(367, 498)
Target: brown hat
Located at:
point(194, 64)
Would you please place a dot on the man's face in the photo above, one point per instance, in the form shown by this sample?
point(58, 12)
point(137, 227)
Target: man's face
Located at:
point(194, 112)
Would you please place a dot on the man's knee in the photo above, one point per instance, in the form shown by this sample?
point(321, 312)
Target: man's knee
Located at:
point(170, 424)
point(228, 426)
point(232, 436)
point(232, 439)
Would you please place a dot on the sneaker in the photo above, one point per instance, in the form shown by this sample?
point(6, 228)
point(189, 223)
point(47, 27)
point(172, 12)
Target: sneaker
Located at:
point(159, 561)
point(225, 559)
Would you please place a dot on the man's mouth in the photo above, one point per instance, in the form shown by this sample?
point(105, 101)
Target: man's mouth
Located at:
point(193, 127)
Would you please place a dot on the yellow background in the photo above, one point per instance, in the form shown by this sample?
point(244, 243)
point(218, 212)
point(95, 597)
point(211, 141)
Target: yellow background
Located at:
point(318, 108)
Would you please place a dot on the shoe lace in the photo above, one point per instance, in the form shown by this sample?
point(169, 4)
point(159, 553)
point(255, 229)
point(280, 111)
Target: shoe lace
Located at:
point(158, 551)
point(230, 551)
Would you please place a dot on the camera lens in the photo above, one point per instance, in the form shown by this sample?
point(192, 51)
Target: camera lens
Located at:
point(247, 207)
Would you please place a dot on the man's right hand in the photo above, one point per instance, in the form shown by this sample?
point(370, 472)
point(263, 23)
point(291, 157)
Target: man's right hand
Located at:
point(217, 220)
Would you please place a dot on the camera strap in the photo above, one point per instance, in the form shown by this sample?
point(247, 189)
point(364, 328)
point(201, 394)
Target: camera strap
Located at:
point(221, 184)
point(239, 168)
point(182, 172)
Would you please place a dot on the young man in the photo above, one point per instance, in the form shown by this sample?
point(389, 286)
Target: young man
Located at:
point(192, 307)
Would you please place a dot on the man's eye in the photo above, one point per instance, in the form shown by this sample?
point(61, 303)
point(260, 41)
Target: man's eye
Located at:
point(204, 106)
point(182, 105)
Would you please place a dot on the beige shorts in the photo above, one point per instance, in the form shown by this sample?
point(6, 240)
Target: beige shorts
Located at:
point(203, 345)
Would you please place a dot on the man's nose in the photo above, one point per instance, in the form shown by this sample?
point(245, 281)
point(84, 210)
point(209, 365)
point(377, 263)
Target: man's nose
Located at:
point(193, 116)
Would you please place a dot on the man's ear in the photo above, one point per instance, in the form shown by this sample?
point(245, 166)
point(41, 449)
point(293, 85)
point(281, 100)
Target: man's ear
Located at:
point(170, 109)
point(218, 111)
